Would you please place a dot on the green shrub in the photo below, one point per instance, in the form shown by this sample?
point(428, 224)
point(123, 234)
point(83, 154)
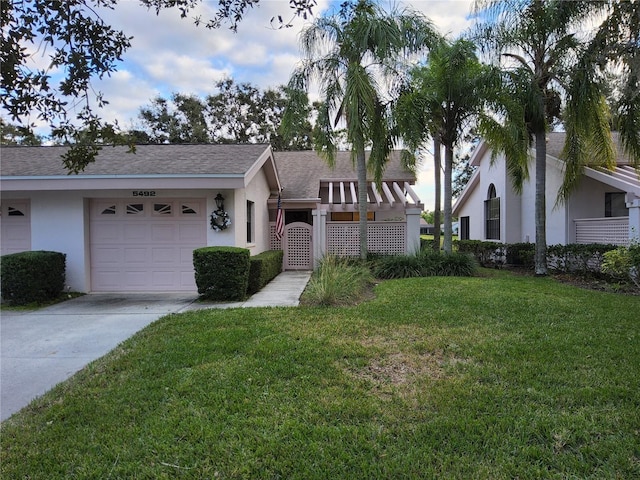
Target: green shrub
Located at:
point(623, 264)
point(488, 254)
point(457, 264)
point(32, 277)
point(264, 267)
point(577, 258)
point(521, 254)
point(222, 273)
point(337, 281)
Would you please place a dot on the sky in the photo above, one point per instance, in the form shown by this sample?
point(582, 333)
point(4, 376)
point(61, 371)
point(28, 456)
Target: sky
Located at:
point(170, 54)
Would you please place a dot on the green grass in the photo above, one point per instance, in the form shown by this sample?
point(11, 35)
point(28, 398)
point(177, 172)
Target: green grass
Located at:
point(497, 377)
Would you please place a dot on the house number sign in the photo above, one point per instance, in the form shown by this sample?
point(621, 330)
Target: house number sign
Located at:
point(144, 193)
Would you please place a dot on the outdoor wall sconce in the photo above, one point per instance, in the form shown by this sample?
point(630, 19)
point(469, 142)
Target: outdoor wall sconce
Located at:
point(220, 219)
point(219, 201)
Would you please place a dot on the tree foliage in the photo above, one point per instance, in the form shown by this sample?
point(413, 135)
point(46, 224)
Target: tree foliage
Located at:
point(237, 113)
point(443, 98)
point(75, 46)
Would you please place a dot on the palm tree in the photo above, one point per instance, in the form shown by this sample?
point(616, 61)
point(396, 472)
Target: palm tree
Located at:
point(353, 55)
point(444, 96)
point(540, 40)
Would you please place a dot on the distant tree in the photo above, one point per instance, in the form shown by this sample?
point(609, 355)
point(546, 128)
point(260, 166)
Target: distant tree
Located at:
point(461, 175)
point(81, 47)
point(237, 113)
point(11, 134)
point(429, 216)
point(180, 120)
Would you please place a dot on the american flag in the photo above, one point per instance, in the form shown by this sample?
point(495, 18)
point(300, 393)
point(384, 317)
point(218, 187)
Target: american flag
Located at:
point(279, 220)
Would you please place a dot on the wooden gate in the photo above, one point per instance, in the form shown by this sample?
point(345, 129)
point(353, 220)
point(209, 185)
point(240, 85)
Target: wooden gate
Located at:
point(298, 246)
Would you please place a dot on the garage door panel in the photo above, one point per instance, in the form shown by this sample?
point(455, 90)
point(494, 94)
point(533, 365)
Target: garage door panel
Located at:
point(163, 233)
point(107, 280)
point(15, 226)
point(186, 255)
point(161, 255)
point(164, 279)
point(186, 279)
point(107, 232)
point(145, 245)
point(190, 232)
point(136, 278)
point(135, 255)
point(16, 233)
point(108, 256)
point(136, 232)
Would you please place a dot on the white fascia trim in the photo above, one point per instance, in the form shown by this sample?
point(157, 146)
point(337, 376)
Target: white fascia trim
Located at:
point(259, 163)
point(609, 178)
point(121, 182)
point(473, 182)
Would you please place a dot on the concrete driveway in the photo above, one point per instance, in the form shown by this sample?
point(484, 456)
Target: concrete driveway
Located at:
point(41, 348)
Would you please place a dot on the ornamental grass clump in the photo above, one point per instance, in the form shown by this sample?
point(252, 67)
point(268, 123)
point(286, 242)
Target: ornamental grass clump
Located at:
point(398, 266)
point(337, 281)
point(426, 263)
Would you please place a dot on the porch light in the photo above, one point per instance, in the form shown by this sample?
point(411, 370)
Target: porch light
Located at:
point(219, 202)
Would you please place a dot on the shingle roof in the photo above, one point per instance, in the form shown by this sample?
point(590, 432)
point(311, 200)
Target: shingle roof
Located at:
point(148, 160)
point(555, 144)
point(300, 172)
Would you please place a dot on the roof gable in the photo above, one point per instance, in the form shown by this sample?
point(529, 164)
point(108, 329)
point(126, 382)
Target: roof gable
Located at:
point(301, 172)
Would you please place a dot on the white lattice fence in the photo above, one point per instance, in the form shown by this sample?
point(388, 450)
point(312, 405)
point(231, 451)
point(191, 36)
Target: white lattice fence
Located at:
point(298, 249)
point(603, 230)
point(274, 242)
point(387, 238)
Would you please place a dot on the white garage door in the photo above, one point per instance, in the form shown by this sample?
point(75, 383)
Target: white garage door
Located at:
point(15, 227)
point(146, 244)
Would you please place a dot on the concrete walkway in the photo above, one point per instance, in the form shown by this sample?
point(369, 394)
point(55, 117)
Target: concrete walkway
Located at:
point(39, 349)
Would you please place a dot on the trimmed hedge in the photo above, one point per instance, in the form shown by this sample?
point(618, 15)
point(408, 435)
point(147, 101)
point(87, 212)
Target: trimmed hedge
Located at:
point(32, 277)
point(486, 253)
point(264, 267)
point(222, 273)
point(572, 258)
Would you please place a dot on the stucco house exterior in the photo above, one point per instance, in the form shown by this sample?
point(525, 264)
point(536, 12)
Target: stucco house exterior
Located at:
point(130, 222)
point(605, 208)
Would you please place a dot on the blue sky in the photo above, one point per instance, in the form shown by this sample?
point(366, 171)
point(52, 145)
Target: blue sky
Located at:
point(170, 54)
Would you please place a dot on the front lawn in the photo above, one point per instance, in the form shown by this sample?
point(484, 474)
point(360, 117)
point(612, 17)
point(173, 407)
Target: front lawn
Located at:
point(497, 377)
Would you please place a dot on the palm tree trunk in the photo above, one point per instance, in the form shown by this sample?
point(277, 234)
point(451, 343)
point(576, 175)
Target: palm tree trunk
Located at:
point(540, 258)
point(437, 165)
point(448, 173)
point(362, 200)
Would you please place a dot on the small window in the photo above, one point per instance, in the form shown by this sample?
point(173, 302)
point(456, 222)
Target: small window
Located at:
point(14, 212)
point(464, 228)
point(162, 208)
point(614, 205)
point(492, 214)
point(188, 210)
point(250, 221)
point(350, 216)
point(135, 209)
point(109, 210)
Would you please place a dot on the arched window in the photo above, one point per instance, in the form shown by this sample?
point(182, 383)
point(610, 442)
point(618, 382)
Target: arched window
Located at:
point(492, 214)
